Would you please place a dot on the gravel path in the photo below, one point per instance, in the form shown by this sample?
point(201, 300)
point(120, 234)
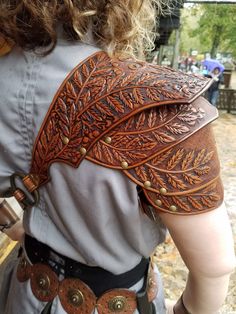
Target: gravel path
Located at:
point(173, 270)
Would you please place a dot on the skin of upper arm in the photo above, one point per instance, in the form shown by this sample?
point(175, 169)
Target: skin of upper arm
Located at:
point(204, 241)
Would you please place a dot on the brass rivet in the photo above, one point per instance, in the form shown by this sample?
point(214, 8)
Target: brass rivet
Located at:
point(173, 208)
point(158, 202)
point(76, 297)
point(65, 140)
point(147, 184)
point(163, 190)
point(108, 140)
point(82, 150)
point(124, 165)
point(117, 304)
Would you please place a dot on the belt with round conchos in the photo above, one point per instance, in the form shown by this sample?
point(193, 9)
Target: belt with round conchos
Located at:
point(76, 297)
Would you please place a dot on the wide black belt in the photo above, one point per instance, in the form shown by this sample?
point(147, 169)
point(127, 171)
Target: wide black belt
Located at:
point(97, 278)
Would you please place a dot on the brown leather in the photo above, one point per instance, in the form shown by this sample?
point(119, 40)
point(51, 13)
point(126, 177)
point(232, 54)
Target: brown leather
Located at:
point(133, 116)
point(100, 94)
point(75, 296)
point(184, 179)
point(180, 308)
point(23, 270)
point(8, 217)
point(180, 168)
point(31, 182)
point(117, 301)
point(44, 282)
point(149, 133)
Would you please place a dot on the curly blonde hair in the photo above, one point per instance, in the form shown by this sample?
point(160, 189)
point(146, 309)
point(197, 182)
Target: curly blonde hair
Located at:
point(119, 27)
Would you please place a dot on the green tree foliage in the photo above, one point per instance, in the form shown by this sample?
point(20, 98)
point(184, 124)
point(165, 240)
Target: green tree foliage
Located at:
point(216, 27)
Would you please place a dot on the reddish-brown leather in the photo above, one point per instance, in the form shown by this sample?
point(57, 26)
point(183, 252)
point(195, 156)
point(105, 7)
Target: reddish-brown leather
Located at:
point(135, 117)
point(67, 288)
point(97, 96)
point(128, 296)
point(190, 173)
point(23, 270)
point(49, 290)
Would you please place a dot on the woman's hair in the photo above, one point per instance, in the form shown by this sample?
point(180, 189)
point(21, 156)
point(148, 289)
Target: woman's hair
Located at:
point(118, 26)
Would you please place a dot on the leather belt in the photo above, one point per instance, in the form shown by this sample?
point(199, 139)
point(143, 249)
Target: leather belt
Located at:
point(97, 278)
point(77, 297)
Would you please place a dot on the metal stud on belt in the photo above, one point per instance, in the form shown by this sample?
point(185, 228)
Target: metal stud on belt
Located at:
point(117, 304)
point(76, 297)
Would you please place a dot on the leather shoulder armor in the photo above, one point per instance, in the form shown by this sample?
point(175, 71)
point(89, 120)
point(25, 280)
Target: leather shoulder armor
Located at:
point(142, 119)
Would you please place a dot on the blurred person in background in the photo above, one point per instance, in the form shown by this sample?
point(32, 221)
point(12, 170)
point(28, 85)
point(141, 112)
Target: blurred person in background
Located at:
point(213, 92)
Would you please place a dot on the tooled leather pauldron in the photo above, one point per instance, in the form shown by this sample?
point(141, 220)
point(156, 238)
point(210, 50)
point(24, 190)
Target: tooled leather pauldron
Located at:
point(142, 119)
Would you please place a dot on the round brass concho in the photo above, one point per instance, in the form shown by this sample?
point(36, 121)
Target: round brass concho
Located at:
point(75, 297)
point(44, 282)
point(117, 304)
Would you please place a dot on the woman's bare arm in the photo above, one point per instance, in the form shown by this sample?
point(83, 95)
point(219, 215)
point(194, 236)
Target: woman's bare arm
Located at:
point(205, 243)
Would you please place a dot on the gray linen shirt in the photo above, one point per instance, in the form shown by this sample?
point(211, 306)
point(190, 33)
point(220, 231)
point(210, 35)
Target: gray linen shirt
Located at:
point(90, 214)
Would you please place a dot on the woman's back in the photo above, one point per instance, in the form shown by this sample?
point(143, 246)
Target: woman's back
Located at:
point(82, 210)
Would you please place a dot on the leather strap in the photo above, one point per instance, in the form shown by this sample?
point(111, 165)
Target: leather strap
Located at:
point(180, 308)
point(8, 217)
